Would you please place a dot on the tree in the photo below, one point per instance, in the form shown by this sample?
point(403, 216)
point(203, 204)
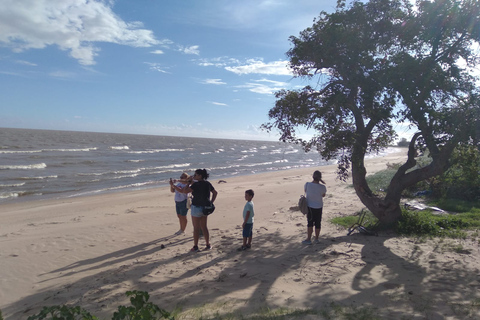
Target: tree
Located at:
point(403, 143)
point(375, 64)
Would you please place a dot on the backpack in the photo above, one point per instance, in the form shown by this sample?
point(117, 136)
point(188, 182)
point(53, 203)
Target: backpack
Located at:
point(302, 204)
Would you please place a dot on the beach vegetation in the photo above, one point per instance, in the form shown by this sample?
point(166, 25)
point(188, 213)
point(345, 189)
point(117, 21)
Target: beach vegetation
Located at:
point(461, 218)
point(403, 143)
point(140, 309)
point(424, 223)
point(330, 310)
point(379, 65)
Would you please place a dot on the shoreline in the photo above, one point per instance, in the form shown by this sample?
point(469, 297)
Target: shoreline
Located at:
point(89, 251)
point(53, 197)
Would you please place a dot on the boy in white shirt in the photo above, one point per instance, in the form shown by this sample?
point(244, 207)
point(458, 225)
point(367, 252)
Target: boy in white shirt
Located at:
point(247, 225)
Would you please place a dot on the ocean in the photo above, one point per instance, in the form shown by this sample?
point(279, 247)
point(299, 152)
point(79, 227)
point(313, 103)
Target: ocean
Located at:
point(42, 164)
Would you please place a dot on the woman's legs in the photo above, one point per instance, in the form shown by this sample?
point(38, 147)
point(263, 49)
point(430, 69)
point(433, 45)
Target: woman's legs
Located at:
point(196, 230)
point(203, 227)
point(200, 223)
point(309, 224)
point(182, 212)
point(183, 222)
point(318, 222)
point(309, 233)
point(314, 218)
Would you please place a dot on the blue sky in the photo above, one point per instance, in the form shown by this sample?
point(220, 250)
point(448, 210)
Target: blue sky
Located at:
point(204, 68)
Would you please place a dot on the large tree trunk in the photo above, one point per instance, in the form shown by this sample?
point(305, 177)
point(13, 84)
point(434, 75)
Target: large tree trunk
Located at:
point(388, 209)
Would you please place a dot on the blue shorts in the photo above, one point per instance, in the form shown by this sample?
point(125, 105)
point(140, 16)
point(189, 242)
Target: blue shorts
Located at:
point(197, 211)
point(248, 230)
point(181, 207)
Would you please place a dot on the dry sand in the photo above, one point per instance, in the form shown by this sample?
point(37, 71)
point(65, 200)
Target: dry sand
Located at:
point(89, 251)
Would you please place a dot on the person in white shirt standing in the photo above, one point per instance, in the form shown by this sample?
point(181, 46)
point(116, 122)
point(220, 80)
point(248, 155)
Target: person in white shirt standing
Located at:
point(315, 192)
point(180, 201)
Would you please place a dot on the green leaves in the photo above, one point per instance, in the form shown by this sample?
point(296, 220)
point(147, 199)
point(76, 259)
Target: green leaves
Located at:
point(140, 309)
point(63, 313)
point(374, 65)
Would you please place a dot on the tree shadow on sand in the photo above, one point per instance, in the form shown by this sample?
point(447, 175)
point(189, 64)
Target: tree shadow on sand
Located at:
point(277, 272)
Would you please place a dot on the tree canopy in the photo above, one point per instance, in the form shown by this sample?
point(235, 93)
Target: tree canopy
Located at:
point(375, 64)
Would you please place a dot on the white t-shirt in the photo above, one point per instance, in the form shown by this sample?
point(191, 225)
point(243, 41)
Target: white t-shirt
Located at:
point(179, 197)
point(315, 194)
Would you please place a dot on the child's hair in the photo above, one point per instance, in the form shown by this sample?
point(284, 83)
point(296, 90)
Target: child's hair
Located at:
point(203, 173)
point(184, 175)
point(250, 192)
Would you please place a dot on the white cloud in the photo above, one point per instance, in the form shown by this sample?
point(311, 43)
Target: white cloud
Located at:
point(259, 67)
point(190, 50)
point(62, 74)
point(26, 63)
point(157, 67)
point(264, 86)
point(251, 66)
point(213, 81)
point(218, 103)
point(72, 25)
point(218, 62)
point(157, 52)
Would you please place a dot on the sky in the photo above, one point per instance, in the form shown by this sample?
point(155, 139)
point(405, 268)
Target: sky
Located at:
point(195, 68)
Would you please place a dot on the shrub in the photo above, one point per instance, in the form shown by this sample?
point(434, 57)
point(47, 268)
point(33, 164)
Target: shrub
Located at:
point(141, 309)
point(424, 223)
point(462, 179)
point(403, 143)
point(63, 313)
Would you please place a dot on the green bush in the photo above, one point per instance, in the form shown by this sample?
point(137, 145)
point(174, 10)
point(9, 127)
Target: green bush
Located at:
point(141, 309)
point(419, 223)
point(63, 313)
point(462, 179)
point(424, 223)
point(379, 181)
point(369, 221)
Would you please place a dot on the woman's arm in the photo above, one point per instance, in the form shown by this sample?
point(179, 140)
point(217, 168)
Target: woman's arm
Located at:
point(214, 195)
point(187, 188)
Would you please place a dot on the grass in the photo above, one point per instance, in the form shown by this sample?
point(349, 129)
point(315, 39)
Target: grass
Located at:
point(369, 221)
point(328, 311)
point(423, 223)
point(455, 205)
point(379, 181)
point(465, 220)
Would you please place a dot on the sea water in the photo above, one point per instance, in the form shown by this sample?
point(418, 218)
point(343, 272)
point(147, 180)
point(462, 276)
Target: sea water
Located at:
point(40, 164)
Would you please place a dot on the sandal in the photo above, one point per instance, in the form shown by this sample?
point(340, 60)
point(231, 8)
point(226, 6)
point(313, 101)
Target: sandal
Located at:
point(208, 247)
point(242, 248)
point(195, 249)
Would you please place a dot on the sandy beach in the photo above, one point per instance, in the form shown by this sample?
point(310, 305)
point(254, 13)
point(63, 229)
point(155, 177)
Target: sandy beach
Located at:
point(89, 251)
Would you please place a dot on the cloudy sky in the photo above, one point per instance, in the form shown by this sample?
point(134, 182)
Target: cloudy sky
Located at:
point(184, 68)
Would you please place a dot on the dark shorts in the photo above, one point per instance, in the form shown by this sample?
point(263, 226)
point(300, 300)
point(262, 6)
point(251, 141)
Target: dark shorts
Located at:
point(314, 217)
point(181, 208)
point(248, 230)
